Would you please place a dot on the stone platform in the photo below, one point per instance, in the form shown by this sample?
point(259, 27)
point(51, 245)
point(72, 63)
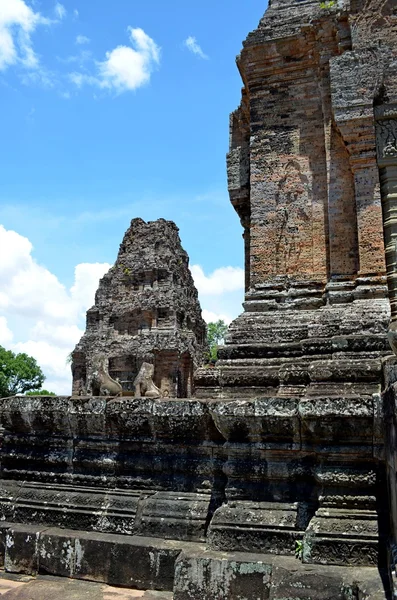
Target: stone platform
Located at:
point(182, 571)
point(139, 492)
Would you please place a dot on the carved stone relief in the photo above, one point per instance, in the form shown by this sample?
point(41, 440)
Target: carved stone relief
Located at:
point(292, 218)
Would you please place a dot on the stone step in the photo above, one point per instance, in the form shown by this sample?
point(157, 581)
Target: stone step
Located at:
point(164, 570)
point(213, 575)
point(128, 561)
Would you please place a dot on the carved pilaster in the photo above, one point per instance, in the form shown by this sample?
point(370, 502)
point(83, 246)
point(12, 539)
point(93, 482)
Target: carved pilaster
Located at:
point(386, 141)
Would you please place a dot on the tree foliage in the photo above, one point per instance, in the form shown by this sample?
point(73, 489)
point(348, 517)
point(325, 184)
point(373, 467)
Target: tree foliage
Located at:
point(215, 335)
point(40, 393)
point(18, 373)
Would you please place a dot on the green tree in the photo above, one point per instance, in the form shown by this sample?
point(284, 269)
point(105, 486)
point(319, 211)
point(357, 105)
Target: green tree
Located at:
point(215, 334)
point(18, 373)
point(40, 393)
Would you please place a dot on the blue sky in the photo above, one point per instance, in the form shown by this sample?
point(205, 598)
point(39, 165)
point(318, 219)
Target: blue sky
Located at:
point(112, 111)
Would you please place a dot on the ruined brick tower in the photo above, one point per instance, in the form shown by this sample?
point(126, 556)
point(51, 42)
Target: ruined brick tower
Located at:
point(146, 309)
point(305, 180)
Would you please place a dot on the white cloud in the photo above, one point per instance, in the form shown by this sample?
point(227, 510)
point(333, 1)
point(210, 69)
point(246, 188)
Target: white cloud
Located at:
point(60, 10)
point(30, 293)
point(75, 13)
point(17, 22)
point(220, 293)
point(224, 279)
point(77, 78)
point(125, 67)
point(86, 277)
point(211, 317)
point(192, 45)
point(53, 362)
point(6, 334)
point(64, 336)
point(82, 39)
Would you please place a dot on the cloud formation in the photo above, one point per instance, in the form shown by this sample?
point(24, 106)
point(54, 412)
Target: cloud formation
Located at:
point(125, 68)
point(212, 317)
point(17, 23)
point(60, 11)
point(224, 279)
point(82, 39)
point(49, 315)
point(221, 292)
point(192, 45)
point(6, 334)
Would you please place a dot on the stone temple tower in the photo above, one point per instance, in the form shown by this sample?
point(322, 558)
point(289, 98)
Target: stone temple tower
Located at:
point(146, 310)
point(304, 177)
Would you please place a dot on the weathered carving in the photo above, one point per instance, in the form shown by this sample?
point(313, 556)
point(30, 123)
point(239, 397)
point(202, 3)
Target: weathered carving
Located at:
point(387, 138)
point(107, 385)
point(143, 383)
point(292, 219)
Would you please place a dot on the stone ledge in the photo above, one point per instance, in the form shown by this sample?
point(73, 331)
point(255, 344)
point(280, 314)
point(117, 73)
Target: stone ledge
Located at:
point(188, 569)
point(136, 562)
point(237, 576)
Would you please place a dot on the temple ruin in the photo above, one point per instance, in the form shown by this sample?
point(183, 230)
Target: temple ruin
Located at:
point(273, 475)
point(146, 310)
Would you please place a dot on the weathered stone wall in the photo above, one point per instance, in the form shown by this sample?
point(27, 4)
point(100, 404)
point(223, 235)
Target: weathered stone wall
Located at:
point(304, 178)
point(248, 476)
point(155, 494)
point(146, 309)
point(302, 164)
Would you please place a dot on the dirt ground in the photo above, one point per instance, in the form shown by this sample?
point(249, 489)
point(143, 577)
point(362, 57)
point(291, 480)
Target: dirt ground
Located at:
point(21, 587)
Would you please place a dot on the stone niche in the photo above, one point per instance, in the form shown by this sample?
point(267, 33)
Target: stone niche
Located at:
point(146, 310)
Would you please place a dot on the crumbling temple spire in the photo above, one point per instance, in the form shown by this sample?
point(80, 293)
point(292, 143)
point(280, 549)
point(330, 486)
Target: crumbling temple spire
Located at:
point(146, 310)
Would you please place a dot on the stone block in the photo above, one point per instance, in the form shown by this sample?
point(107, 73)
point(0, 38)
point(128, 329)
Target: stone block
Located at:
point(175, 515)
point(345, 537)
point(129, 561)
point(72, 507)
point(138, 562)
point(58, 552)
point(21, 553)
point(301, 584)
point(4, 526)
point(271, 527)
point(209, 575)
point(267, 422)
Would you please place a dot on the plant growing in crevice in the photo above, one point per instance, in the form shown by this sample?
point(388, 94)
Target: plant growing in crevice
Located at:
point(299, 549)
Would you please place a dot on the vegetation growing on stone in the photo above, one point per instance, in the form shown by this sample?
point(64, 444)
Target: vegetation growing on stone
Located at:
point(40, 393)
